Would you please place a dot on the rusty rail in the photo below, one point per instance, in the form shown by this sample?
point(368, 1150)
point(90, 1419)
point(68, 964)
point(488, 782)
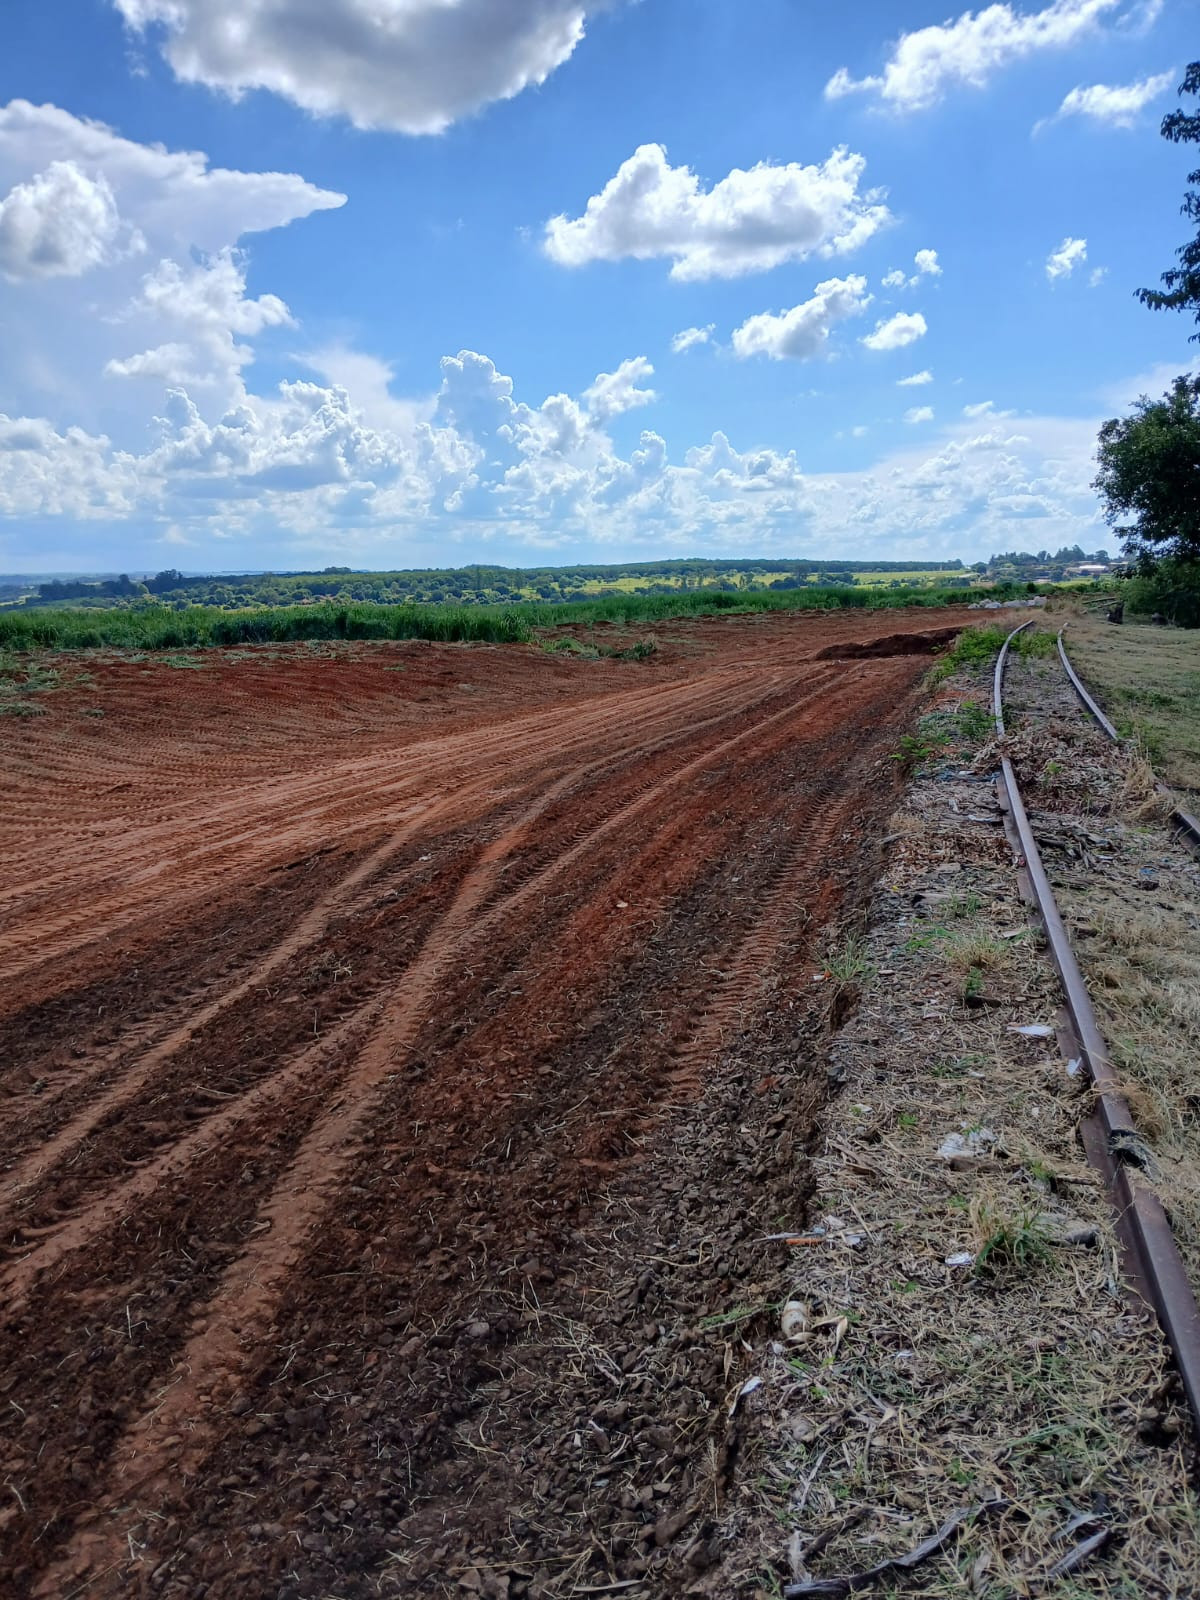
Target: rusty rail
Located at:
point(1186, 825)
point(1109, 1135)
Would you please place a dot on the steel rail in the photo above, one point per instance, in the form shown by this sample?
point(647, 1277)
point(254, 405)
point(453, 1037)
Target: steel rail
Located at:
point(1109, 1135)
point(1184, 821)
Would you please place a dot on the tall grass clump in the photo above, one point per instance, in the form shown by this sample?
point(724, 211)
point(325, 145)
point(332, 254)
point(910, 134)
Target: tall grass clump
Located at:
point(155, 627)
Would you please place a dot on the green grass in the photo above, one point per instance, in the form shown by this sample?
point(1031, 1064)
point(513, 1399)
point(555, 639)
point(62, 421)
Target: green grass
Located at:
point(1008, 1240)
point(850, 962)
point(978, 646)
point(21, 678)
point(1148, 681)
point(155, 627)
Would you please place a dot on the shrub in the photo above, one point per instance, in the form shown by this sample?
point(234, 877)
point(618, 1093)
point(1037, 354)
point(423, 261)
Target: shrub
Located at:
point(1172, 588)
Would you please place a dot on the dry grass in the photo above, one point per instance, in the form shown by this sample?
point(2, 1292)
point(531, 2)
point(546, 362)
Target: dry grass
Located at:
point(1148, 680)
point(1144, 958)
point(975, 950)
point(1131, 899)
point(967, 1334)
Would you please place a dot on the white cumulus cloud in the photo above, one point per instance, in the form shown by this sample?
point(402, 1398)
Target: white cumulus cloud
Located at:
point(615, 392)
point(58, 224)
point(803, 332)
point(204, 305)
point(915, 381)
point(411, 65)
point(905, 328)
point(172, 196)
point(919, 414)
point(157, 232)
point(177, 445)
point(925, 64)
point(1115, 105)
point(1061, 263)
point(748, 222)
point(926, 263)
point(689, 338)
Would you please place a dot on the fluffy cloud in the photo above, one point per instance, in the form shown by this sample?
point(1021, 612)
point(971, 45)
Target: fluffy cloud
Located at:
point(915, 381)
point(691, 337)
point(44, 473)
point(905, 328)
point(748, 222)
point(1118, 106)
point(487, 466)
point(156, 232)
point(204, 305)
point(175, 445)
point(1061, 263)
point(926, 263)
point(59, 224)
point(175, 198)
point(925, 64)
point(615, 392)
point(416, 66)
point(803, 332)
point(919, 414)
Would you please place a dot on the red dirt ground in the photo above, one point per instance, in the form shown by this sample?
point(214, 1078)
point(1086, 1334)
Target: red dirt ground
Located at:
point(399, 1040)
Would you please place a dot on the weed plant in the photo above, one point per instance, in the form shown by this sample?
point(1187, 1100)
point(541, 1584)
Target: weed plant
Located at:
point(1008, 1239)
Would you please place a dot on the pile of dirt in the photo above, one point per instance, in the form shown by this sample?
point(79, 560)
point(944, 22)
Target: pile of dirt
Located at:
point(926, 643)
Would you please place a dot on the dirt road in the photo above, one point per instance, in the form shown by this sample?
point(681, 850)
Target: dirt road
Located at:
point(400, 1049)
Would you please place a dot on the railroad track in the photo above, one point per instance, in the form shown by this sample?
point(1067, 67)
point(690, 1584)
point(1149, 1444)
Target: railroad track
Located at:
point(1109, 1134)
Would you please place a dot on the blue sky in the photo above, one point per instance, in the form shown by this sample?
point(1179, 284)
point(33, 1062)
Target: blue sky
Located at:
point(292, 282)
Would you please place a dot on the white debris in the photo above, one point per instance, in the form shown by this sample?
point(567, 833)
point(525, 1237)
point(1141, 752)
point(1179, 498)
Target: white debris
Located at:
point(971, 1143)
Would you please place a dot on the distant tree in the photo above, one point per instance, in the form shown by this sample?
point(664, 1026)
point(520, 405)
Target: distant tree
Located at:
point(1149, 477)
point(1181, 284)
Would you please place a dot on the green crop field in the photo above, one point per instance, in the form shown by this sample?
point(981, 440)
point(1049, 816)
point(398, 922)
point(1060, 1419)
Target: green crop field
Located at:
point(159, 627)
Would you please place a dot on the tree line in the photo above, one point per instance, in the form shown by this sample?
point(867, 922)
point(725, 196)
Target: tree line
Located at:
point(474, 585)
point(1149, 460)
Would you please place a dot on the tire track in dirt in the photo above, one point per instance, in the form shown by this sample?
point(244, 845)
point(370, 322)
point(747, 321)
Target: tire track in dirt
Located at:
point(247, 1298)
point(132, 1083)
point(640, 810)
point(743, 980)
point(266, 822)
point(480, 927)
point(250, 1289)
point(465, 796)
point(105, 1210)
point(428, 1416)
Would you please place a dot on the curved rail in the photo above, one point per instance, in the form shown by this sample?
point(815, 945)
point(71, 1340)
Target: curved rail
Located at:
point(1110, 1137)
point(1184, 821)
point(1083, 694)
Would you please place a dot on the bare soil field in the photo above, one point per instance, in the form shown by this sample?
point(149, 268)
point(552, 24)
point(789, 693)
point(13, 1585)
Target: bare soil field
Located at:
point(403, 1046)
